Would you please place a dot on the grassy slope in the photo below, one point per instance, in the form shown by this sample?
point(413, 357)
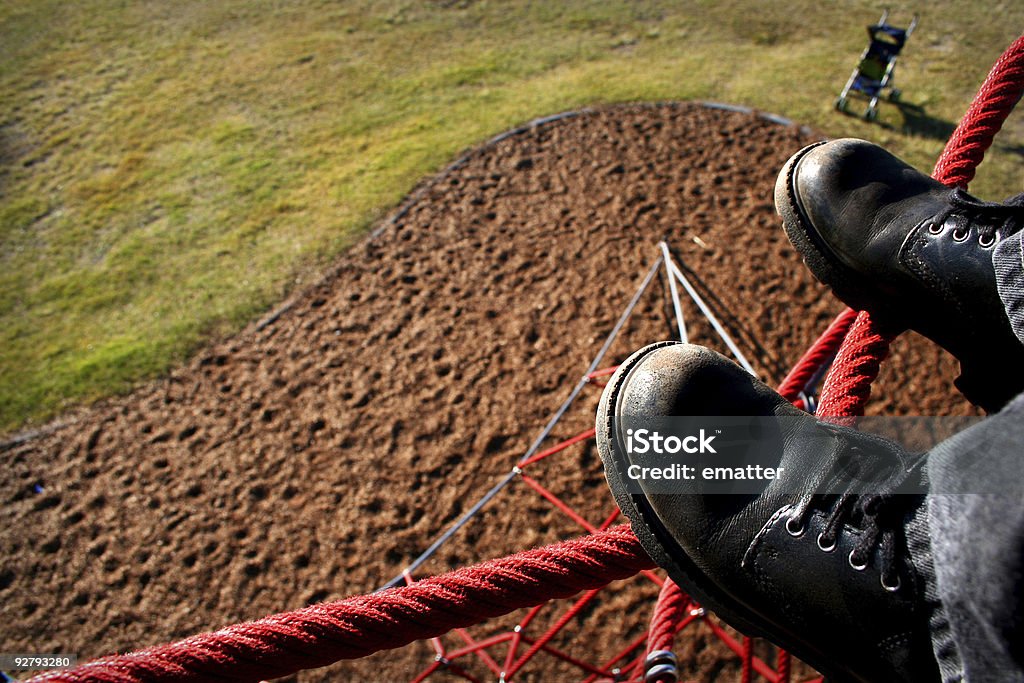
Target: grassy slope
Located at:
point(170, 169)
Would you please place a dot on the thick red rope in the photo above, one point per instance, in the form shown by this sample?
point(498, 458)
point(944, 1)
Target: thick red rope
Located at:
point(820, 352)
point(319, 635)
point(670, 609)
point(996, 98)
point(848, 385)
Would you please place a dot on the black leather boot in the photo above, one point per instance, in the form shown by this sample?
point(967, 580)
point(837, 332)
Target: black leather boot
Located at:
point(824, 575)
point(891, 240)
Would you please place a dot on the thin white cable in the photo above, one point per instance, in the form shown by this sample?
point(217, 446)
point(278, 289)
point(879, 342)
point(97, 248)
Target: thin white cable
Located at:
point(680, 321)
point(740, 358)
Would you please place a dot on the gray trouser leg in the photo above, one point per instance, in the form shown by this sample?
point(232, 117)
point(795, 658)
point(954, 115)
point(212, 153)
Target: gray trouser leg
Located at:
point(976, 528)
point(1008, 259)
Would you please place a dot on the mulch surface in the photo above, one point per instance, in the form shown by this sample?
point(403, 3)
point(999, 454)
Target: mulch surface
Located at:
point(314, 455)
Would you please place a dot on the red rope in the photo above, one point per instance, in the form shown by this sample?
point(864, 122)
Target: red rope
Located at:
point(622, 654)
point(670, 609)
point(538, 644)
point(559, 447)
point(782, 666)
point(319, 635)
point(747, 660)
point(820, 352)
point(996, 98)
point(848, 385)
point(759, 665)
point(558, 503)
point(476, 648)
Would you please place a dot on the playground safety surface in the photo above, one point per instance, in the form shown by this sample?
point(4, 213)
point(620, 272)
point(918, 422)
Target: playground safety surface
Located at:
point(315, 454)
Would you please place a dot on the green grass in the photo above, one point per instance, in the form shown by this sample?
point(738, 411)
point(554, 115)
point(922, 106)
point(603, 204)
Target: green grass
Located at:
point(169, 170)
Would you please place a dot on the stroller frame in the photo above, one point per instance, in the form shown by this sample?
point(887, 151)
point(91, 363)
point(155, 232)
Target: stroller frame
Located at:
point(874, 71)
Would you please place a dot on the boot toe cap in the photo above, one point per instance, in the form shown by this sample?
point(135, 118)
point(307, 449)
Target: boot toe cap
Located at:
point(672, 378)
point(826, 178)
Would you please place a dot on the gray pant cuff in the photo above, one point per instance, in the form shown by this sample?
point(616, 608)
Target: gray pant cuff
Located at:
point(1008, 259)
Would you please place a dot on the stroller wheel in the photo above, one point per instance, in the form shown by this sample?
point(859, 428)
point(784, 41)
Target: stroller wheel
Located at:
point(841, 103)
point(894, 95)
point(871, 114)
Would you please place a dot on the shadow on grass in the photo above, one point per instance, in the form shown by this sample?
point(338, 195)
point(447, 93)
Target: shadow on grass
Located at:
point(917, 121)
point(1015, 148)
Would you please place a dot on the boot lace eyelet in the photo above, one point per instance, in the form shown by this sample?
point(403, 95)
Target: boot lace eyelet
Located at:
point(986, 241)
point(795, 533)
point(935, 228)
point(892, 588)
point(857, 567)
point(825, 548)
point(960, 234)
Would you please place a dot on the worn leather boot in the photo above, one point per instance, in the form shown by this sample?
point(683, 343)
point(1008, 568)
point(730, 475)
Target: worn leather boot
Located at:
point(824, 575)
point(893, 241)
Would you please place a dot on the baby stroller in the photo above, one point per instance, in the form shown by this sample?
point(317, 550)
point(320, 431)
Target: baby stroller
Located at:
point(874, 71)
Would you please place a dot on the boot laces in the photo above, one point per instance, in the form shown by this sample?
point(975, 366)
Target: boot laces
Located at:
point(988, 218)
point(879, 516)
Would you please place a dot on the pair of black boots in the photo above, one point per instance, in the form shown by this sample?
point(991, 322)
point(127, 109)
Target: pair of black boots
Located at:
point(813, 558)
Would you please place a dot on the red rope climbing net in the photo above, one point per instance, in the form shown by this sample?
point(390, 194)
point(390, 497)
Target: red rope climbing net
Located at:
point(318, 635)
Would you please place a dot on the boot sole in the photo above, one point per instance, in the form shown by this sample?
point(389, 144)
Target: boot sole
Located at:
point(662, 547)
point(826, 267)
